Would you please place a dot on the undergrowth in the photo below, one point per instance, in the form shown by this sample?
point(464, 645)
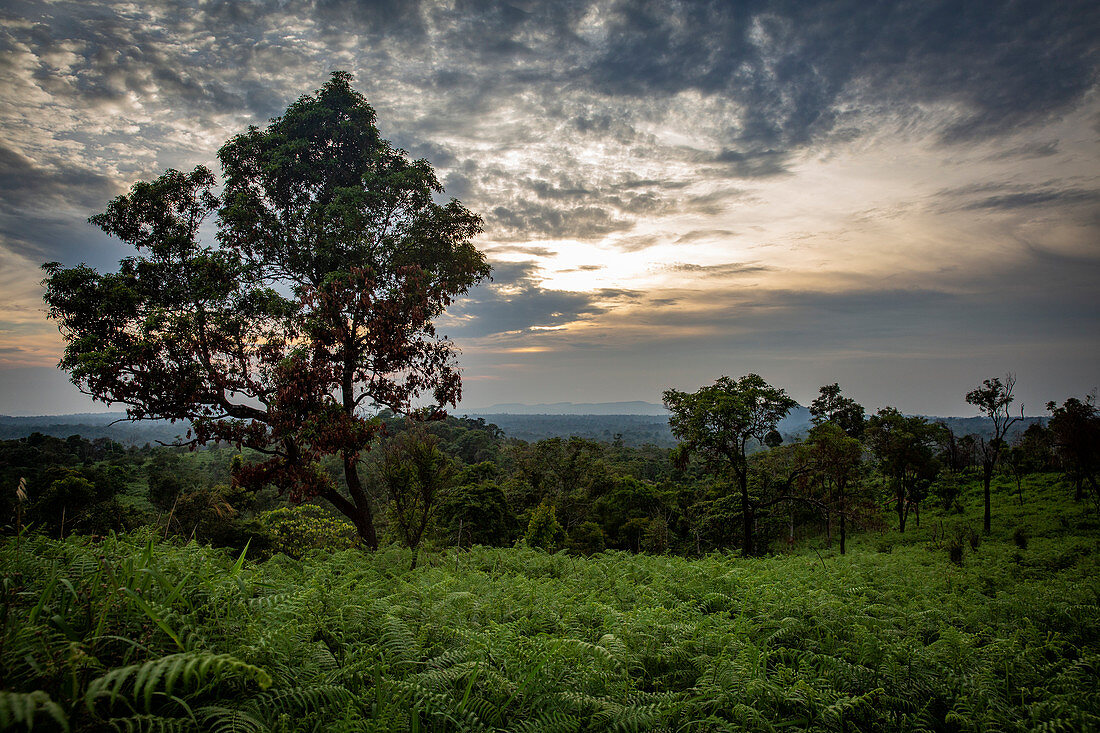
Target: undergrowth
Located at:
point(131, 633)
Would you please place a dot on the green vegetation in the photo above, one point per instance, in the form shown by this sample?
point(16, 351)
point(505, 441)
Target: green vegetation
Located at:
point(221, 589)
point(131, 633)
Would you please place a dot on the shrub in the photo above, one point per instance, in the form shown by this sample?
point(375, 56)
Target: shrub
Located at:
point(544, 531)
point(955, 551)
point(296, 529)
point(1020, 537)
point(586, 539)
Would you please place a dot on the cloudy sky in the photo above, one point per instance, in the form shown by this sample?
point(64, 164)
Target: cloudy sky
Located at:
point(902, 197)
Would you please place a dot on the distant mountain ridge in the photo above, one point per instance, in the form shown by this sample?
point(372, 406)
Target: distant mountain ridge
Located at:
point(636, 422)
point(635, 407)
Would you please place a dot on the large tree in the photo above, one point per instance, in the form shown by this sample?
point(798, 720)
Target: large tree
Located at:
point(720, 420)
point(315, 304)
point(992, 400)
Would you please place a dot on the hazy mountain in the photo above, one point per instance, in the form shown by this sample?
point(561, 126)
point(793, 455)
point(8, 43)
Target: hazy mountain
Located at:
point(92, 425)
point(636, 422)
point(636, 407)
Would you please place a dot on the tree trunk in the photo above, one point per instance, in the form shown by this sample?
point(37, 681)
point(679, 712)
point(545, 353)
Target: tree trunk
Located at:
point(361, 514)
point(828, 528)
point(843, 529)
point(362, 517)
point(746, 514)
point(987, 476)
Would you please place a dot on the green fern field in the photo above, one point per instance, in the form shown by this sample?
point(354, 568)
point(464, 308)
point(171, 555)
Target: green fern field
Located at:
point(134, 634)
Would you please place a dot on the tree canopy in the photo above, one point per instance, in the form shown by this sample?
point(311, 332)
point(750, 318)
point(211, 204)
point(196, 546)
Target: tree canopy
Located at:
point(718, 421)
point(1075, 426)
point(844, 412)
point(905, 448)
point(332, 258)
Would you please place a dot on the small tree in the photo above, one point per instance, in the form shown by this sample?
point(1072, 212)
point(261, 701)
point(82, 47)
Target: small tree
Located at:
point(719, 421)
point(992, 400)
point(417, 476)
point(316, 305)
point(905, 449)
point(1076, 430)
point(844, 412)
point(835, 459)
point(1030, 453)
point(544, 531)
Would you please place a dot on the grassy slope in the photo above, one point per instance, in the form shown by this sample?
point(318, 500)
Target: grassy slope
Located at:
point(516, 639)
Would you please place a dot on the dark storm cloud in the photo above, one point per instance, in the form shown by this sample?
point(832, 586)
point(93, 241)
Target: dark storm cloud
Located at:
point(1028, 151)
point(400, 19)
point(761, 164)
point(1006, 64)
point(867, 318)
point(37, 205)
point(25, 183)
point(533, 220)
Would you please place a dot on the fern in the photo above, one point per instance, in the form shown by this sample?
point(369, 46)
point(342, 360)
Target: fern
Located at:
point(157, 678)
point(21, 708)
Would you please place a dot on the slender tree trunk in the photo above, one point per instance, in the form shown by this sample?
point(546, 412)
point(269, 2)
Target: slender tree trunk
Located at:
point(361, 513)
point(843, 530)
point(828, 528)
point(987, 476)
point(746, 514)
point(901, 512)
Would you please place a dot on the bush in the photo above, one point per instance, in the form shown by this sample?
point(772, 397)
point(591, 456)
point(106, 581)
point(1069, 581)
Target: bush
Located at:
point(544, 531)
point(1020, 537)
point(955, 551)
point(297, 529)
point(588, 538)
point(946, 489)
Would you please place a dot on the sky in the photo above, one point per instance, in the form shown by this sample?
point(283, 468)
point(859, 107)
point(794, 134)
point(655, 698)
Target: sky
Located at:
point(903, 198)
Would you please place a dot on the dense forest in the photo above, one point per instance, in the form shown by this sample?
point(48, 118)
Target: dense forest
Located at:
point(462, 481)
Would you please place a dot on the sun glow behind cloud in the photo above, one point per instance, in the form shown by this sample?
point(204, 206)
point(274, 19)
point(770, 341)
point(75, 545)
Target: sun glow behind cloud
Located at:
point(669, 193)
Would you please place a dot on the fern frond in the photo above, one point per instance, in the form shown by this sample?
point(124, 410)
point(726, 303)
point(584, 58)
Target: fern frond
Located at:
point(23, 707)
point(158, 677)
